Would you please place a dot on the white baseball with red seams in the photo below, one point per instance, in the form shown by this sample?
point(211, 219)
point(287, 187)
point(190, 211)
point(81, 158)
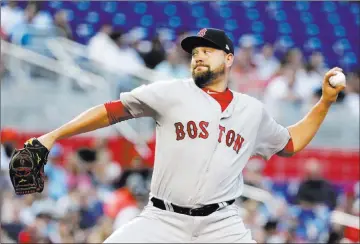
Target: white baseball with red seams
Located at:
point(199, 157)
point(338, 80)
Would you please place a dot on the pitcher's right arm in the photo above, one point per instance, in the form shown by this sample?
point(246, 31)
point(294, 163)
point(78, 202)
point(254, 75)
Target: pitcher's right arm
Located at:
point(150, 100)
point(94, 118)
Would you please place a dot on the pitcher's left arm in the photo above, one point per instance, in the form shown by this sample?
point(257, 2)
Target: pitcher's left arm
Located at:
point(304, 131)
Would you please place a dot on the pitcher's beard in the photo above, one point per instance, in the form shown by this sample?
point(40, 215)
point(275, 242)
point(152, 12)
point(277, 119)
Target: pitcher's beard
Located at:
point(205, 78)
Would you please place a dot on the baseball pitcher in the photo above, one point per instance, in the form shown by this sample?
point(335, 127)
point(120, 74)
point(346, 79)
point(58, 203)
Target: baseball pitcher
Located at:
point(205, 134)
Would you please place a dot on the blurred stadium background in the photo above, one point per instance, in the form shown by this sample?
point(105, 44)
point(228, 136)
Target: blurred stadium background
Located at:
point(59, 58)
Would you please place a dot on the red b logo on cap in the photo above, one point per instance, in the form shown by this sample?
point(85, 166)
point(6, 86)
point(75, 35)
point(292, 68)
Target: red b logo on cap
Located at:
point(202, 32)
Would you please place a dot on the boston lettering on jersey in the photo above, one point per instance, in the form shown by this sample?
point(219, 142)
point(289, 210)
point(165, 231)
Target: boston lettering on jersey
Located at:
point(229, 137)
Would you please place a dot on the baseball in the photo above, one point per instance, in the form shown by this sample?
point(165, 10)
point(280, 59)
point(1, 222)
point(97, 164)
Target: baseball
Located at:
point(338, 79)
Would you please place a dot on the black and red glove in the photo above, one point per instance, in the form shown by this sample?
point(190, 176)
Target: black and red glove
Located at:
point(26, 167)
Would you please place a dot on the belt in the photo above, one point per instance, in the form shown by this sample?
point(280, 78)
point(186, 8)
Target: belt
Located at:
point(201, 211)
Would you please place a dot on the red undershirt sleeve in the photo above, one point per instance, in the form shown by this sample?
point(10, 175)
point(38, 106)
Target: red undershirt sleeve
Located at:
point(116, 112)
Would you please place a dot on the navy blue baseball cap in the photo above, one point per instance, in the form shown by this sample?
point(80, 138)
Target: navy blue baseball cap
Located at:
point(208, 37)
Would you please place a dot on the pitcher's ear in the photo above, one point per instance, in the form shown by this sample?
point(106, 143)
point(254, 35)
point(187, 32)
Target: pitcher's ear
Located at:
point(229, 60)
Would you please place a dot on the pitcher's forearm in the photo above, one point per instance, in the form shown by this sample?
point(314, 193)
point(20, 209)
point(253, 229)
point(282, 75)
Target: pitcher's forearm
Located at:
point(95, 118)
point(304, 131)
point(92, 119)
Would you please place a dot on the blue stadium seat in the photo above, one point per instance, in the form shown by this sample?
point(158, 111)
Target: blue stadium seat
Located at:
point(109, 7)
point(334, 18)
point(119, 19)
point(306, 17)
point(92, 17)
point(225, 12)
point(284, 28)
point(257, 27)
point(302, 5)
point(83, 5)
point(170, 9)
point(329, 6)
point(252, 14)
point(312, 29)
point(175, 21)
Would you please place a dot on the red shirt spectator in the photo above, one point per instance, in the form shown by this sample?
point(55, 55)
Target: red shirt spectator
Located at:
point(2, 34)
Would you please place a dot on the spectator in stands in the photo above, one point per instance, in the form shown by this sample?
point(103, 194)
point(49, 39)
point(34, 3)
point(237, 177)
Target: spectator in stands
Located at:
point(135, 178)
point(352, 195)
point(310, 223)
point(267, 64)
point(128, 58)
point(111, 50)
point(351, 233)
point(20, 33)
point(174, 66)
point(122, 206)
point(41, 19)
point(56, 174)
point(184, 55)
point(11, 15)
point(3, 35)
point(77, 175)
point(254, 175)
point(34, 20)
point(307, 81)
point(7, 145)
point(99, 43)
point(105, 170)
point(64, 233)
point(62, 25)
point(271, 232)
point(244, 76)
point(127, 55)
point(293, 58)
point(352, 91)
point(101, 231)
point(156, 54)
point(314, 189)
point(316, 60)
point(90, 208)
point(252, 218)
point(281, 91)
point(309, 78)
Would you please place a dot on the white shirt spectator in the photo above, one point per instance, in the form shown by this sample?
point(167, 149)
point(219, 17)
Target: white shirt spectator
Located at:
point(97, 46)
point(42, 20)
point(266, 67)
point(352, 101)
point(306, 83)
point(105, 51)
point(276, 91)
point(10, 17)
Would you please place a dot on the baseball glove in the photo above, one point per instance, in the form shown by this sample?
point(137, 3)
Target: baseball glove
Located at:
point(26, 167)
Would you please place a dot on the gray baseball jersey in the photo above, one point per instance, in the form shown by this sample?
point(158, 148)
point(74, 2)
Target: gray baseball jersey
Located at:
point(200, 150)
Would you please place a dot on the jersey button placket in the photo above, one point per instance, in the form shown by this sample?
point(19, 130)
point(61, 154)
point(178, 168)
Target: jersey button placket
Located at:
point(201, 196)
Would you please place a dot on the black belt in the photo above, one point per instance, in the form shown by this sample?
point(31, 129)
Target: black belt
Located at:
point(201, 211)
